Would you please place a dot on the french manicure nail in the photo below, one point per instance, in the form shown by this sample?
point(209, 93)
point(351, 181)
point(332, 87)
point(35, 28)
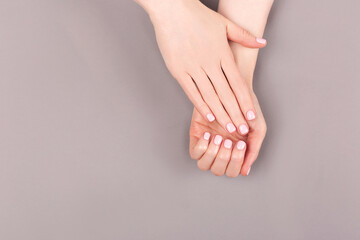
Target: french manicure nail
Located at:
point(250, 115)
point(261, 40)
point(206, 136)
point(241, 145)
point(230, 127)
point(227, 143)
point(217, 139)
point(243, 129)
point(248, 171)
point(210, 117)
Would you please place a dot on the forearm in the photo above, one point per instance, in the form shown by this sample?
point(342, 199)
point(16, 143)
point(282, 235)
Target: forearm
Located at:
point(161, 7)
point(251, 15)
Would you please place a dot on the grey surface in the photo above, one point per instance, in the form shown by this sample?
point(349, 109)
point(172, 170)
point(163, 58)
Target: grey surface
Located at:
point(94, 131)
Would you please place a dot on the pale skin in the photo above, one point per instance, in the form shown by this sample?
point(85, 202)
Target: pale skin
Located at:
point(214, 148)
point(193, 41)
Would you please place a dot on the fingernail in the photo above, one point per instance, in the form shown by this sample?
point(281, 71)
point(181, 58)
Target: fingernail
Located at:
point(243, 129)
point(248, 171)
point(217, 139)
point(210, 117)
point(206, 136)
point(261, 40)
point(250, 115)
point(227, 143)
point(241, 145)
point(230, 127)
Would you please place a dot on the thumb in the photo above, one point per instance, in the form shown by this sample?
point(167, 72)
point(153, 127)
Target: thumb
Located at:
point(237, 34)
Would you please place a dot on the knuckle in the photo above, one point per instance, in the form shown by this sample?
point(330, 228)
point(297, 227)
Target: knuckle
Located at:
point(217, 172)
point(232, 174)
point(237, 159)
point(203, 166)
point(197, 151)
point(244, 32)
point(223, 158)
point(192, 155)
point(211, 153)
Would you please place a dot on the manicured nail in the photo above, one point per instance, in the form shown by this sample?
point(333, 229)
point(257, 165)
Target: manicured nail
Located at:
point(261, 40)
point(228, 143)
point(248, 171)
point(250, 115)
point(241, 145)
point(206, 136)
point(243, 129)
point(217, 139)
point(230, 127)
point(210, 117)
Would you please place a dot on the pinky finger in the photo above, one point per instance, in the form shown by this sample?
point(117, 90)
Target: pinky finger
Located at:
point(197, 151)
point(195, 97)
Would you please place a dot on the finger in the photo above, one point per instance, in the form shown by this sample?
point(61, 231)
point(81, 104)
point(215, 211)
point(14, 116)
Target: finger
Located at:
point(222, 158)
point(239, 86)
point(254, 142)
point(238, 34)
point(198, 149)
point(191, 90)
point(212, 99)
point(228, 100)
point(236, 160)
point(207, 159)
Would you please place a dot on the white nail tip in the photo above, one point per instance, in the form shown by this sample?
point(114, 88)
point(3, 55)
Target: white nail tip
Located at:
point(210, 117)
point(227, 143)
point(250, 115)
point(206, 136)
point(241, 145)
point(217, 140)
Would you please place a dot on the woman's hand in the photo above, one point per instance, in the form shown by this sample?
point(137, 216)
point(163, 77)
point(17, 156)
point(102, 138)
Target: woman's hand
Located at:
point(214, 148)
point(193, 41)
point(224, 153)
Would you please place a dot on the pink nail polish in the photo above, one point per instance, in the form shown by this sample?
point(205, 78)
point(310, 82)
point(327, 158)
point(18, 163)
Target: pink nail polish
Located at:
point(241, 145)
point(206, 136)
point(230, 127)
point(261, 40)
point(248, 171)
point(210, 117)
point(243, 129)
point(250, 115)
point(228, 143)
point(217, 139)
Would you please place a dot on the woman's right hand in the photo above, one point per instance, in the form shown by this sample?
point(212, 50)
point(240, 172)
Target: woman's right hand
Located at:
point(193, 41)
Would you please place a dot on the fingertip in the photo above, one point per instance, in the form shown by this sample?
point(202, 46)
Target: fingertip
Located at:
point(262, 41)
point(245, 172)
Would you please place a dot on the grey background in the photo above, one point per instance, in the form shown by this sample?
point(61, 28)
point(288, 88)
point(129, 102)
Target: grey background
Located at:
point(94, 131)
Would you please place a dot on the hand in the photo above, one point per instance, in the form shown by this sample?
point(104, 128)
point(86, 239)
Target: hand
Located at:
point(193, 41)
point(221, 152)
